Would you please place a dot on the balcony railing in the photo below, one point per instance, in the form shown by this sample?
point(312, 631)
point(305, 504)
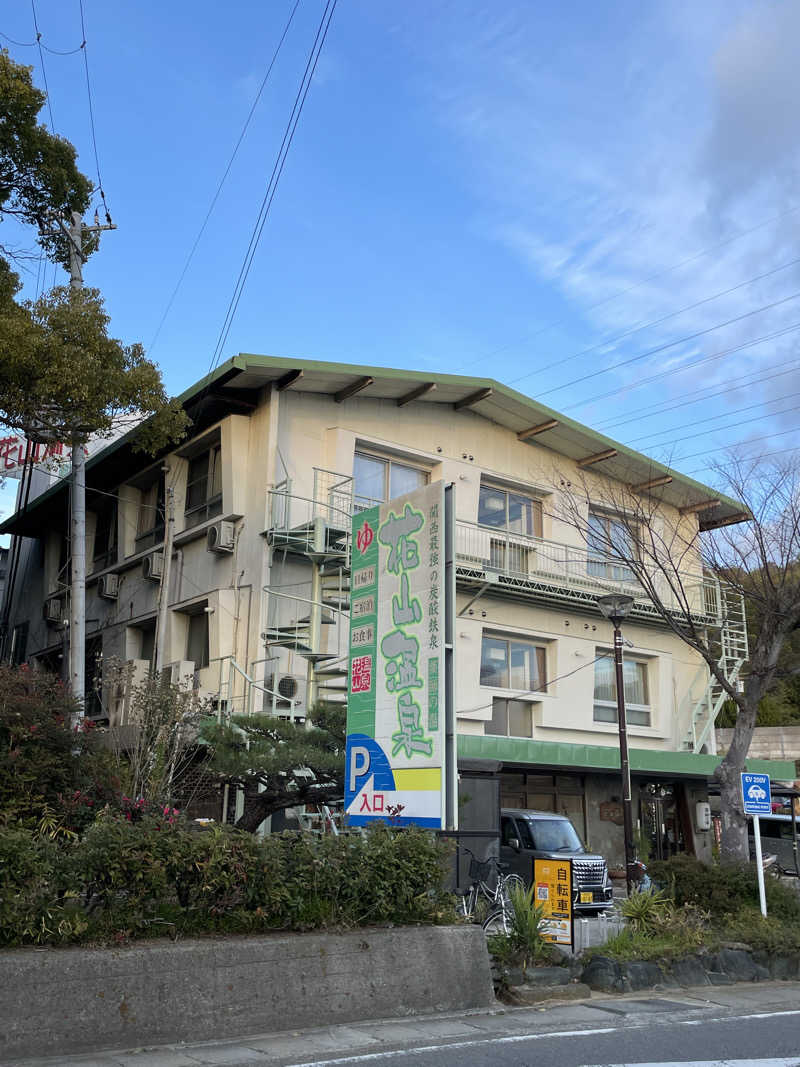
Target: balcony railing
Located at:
point(525, 562)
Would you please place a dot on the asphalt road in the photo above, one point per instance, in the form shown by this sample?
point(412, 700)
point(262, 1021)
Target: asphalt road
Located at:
point(768, 1041)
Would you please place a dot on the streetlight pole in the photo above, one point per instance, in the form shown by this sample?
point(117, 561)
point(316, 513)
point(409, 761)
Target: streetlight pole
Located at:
point(615, 607)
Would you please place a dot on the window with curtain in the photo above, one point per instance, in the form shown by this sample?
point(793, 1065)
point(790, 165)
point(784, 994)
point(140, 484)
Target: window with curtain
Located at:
point(637, 700)
point(604, 532)
point(509, 511)
point(377, 480)
point(150, 520)
point(204, 487)
point(510, 664)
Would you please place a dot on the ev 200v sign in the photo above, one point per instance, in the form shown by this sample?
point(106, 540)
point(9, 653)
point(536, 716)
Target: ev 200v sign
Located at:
point(756, 794)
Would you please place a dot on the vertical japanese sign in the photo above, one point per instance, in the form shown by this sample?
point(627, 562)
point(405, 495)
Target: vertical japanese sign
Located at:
point(395, 711)
point(553, 881)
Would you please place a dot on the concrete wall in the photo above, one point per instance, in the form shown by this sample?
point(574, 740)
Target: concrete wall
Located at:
point(769, 742)
point(64, 1001)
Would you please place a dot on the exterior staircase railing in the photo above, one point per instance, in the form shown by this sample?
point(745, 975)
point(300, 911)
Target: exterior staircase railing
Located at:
point(725, 611)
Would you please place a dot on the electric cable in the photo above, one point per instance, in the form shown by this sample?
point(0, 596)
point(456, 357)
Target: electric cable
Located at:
point(277, 170)
point(536, 692)
point(661, 407)
point(224, 177)
point(33, 44)
point(91, 115)
point(713, 418)
point(41, 59)
point(671, 344)
point(612, 341)
point(637, 285)
point(632, 386)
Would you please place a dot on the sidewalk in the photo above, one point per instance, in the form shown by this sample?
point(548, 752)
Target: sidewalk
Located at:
point(326, 1044)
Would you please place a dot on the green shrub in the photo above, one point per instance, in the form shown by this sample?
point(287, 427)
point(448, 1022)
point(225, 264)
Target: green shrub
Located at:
point(722, 889)
point(526, 925)
point(646, 911)
point(771, 934)
point(136, 878)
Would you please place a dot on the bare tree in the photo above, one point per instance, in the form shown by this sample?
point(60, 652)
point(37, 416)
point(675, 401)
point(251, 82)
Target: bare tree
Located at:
point(698, 584)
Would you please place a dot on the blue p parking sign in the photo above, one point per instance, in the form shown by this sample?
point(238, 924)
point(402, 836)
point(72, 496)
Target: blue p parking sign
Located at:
point(756, 794)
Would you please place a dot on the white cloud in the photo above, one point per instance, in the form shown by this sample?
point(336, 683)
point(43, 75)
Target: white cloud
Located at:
point(607, 148)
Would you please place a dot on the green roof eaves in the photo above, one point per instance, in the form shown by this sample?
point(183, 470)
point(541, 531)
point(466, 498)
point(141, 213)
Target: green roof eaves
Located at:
point(605, 757)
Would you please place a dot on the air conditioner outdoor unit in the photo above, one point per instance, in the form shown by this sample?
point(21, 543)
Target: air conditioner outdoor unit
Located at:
point(52, 609)
point(108, 586)
point(153, 566)
point(179, 673)
point(220, 537)
point(289, 696)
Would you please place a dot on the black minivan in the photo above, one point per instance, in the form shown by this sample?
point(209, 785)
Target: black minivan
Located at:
point(543, 835)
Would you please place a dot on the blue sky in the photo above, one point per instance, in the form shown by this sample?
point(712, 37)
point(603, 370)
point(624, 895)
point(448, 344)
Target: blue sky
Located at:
point(502, 190)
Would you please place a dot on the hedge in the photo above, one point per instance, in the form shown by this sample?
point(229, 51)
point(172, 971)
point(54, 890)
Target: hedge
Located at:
point(124, 879)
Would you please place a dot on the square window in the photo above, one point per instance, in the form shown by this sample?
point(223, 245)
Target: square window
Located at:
point(636, 692)
point(376, 480)
point(510, 718)
point(511, 664)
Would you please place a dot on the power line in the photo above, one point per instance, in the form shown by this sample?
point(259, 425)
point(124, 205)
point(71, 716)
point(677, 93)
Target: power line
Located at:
point(41, 59)
point(671, 344)
point(656, 322)
point(743, 422)
point(277, 171)
point(632, 386)
point(637, 285)
point(752, 440)
point(537, 692)
point(661, 407)
point(764, 455)
point(714, 418)
point(224, 177)
point(91, 113)
point(33, 44)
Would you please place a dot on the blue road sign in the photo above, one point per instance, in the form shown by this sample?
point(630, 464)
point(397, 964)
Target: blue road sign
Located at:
point(756, 794)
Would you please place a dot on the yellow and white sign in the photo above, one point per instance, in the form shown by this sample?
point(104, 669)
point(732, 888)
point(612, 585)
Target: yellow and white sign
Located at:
point(553, 883)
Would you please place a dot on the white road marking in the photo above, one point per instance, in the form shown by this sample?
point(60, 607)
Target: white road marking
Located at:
point(791, 1061)
point(370, 1057)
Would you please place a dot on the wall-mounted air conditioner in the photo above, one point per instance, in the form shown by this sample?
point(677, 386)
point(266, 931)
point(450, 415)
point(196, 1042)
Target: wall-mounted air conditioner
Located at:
point(53, 609)
point(153, 566)
point(220, 536)
point(181, 672)
point(108, 586)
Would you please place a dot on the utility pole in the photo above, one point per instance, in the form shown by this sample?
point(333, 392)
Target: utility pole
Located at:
point(163, 593)
point(77, 612)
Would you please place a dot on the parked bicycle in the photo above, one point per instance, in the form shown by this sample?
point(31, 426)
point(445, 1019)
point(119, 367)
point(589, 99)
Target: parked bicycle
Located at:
point(488, 899)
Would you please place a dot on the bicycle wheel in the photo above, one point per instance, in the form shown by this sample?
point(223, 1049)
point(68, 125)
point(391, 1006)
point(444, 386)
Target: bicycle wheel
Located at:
point(498, 921)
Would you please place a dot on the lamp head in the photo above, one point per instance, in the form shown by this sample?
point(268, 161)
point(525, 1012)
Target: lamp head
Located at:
point(615, 607)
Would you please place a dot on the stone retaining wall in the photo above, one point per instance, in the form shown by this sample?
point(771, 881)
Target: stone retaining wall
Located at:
point(63, 1001)
point(714, 968)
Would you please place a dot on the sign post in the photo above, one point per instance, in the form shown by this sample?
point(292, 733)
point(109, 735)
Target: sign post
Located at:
point(757, 800)
point(553, 881)
point(398, 699)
